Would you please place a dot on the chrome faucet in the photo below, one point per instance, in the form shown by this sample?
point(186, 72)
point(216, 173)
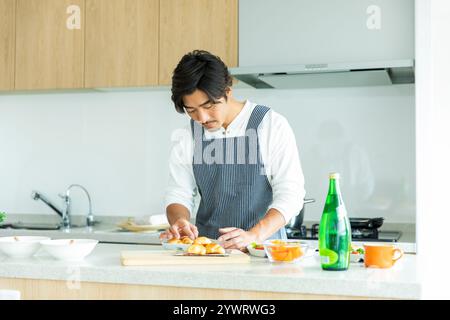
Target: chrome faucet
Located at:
point(67, 201)
point(38, 196)
point(67, 207)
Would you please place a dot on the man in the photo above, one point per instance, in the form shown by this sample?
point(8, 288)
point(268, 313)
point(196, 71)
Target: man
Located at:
point(241, 158)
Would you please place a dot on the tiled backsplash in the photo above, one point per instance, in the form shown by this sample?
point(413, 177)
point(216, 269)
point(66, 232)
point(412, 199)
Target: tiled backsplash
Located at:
point(116, 144)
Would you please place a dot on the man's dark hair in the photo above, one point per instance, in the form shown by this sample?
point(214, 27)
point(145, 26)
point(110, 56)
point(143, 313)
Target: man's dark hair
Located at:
point(200, 70)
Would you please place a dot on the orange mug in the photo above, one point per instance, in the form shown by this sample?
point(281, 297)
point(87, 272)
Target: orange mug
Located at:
point(381, 255)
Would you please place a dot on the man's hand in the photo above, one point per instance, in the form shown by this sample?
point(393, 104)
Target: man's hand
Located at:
point(181, 227)
point(235, 238)
point(238, 238)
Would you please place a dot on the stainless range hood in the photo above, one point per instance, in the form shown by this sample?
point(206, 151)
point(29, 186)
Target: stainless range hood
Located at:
point(374, 73)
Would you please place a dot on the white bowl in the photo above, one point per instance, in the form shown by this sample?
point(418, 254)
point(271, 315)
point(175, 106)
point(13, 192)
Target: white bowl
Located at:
point(69, 249)
point(356, 257)
point(20, 246)
point(256, 252)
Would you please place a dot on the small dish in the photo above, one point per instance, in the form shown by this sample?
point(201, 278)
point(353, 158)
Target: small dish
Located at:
point(69, 249)
point(20, 246)
point(357, 255)
point(257, 250)
point(281, 250)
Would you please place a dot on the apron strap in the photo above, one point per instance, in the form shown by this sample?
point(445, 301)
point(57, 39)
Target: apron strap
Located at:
point(258, 114)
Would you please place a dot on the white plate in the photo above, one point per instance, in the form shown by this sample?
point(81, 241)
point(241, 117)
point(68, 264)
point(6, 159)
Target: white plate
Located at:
point(256, 252)
point(130, 225)
point(175, 246)
point(69, 249)
point(20, 246)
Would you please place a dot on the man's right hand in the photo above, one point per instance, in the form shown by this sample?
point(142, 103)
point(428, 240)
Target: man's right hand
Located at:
point(181, 227)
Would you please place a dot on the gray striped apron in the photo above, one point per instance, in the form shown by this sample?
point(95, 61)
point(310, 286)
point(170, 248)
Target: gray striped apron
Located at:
point(230, 178)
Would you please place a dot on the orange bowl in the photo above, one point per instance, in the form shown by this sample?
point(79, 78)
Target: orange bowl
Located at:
point(279, 250)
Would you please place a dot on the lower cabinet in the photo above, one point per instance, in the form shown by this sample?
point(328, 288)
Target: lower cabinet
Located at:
point(32, 289)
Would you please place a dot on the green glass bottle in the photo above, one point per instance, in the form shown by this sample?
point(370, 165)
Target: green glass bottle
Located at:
point(335, 236)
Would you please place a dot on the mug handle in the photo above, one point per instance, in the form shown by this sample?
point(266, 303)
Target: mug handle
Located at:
point(400, 251)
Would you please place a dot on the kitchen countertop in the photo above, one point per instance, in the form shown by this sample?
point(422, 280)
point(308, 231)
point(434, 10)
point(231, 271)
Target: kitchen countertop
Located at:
point(107, 231)
point(305, 277)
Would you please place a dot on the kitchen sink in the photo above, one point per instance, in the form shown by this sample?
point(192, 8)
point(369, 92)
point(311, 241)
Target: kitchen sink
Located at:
point(35, 226)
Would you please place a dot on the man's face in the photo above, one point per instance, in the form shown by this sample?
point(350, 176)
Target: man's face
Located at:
point(210, 114)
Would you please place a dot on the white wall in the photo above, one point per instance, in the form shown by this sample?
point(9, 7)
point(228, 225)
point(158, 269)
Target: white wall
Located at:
point(433, 146)
point(116, 144)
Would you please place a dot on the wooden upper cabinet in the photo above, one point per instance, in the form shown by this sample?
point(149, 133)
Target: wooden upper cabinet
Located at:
point(49, 44)
point(121, 43)
point(186, 25)
point(58, 44)
point(7, 41)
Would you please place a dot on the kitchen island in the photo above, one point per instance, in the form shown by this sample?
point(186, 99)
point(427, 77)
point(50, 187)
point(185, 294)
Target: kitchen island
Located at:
point(101, 276)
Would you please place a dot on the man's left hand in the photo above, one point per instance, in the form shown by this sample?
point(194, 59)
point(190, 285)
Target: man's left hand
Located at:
point(235, 238)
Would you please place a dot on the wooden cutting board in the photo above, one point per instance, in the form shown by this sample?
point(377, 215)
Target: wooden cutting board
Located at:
point(153, 258)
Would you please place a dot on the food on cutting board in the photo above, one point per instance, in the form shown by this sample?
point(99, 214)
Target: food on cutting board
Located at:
point(202, 240)
point(214, 248)
point(198, 246)
point(174, 241)
point(182, 240)
point(186, 240)
point(205, 246)
point(197, 249)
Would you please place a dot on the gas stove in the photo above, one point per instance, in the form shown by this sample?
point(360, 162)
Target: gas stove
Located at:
point(358, 234)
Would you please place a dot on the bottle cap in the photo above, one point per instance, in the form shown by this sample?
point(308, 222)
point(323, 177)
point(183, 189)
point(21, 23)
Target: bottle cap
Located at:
point(334, 175)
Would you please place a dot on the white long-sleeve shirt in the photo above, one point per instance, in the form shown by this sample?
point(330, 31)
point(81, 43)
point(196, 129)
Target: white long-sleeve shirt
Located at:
point(279, 154)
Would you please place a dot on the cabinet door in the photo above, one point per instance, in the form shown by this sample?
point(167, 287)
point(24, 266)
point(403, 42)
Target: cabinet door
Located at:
point(196, 24)
point(121, 43)
point(49, 49)
point(273, 32)
point(7, 34)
